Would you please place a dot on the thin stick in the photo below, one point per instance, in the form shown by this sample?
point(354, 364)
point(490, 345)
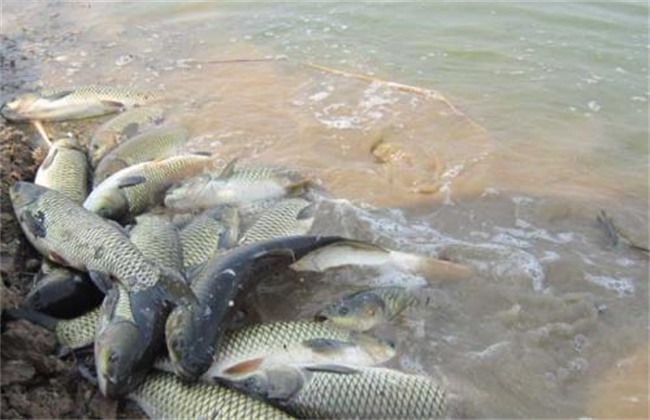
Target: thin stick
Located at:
point(400, 86)
point(42, 132)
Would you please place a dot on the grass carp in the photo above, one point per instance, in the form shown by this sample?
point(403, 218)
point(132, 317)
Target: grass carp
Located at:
point(289, 217)
point(118, 129)
point(138, 188)
point(212, 230)
point(365, 310)
point(165, 396)
point(154, 144)
point(65, 169)
point(74, 103)
point(235, 185)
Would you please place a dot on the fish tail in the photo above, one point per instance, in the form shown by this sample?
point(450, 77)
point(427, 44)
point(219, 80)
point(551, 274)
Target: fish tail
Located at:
point(34, 317)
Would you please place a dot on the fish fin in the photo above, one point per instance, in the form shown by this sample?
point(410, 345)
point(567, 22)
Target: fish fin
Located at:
point(55, 257)
point(130, 130)
point(298, 187)
point(308, 212)
point(101, 279)
point(49, 159)
point(33, 224)
point(113, 105)
point(34, 317)
point(244, 368)
point(333, 368)
point(131, 181)
point(202, 153)
point(58, 95)
point(326, 345)
point(123, 230)
point(284, 381)
point(229, 169)
point(173, 288)
point(193, 271)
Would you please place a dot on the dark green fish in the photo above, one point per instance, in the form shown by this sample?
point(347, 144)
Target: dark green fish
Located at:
point(194, 331)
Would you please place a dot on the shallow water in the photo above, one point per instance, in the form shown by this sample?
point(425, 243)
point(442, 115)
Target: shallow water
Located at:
point(538, 120)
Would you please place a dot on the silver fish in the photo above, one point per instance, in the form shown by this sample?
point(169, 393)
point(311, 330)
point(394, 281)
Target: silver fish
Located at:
point(121, 128)
point(74, 103)
point(154, 144)
point(235, 185)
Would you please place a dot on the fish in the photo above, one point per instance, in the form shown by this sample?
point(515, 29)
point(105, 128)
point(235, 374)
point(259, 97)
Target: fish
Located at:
point(62, 292)
point(71, 334)
point(138, 188)
point(251, 349)
point(71, 236)
point(131, 326)
point(355, 252)
point(65, 169)
point(366, 393)
point(236, 185)
point(213, 230)
point(157, 238)
point(74, 103)
point(121, 128)
point(193, 331)
point(289, 217)
point(165, 396)
point(157, 143)
point(365, 310)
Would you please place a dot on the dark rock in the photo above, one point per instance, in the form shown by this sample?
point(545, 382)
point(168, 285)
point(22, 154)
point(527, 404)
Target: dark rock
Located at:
point(16, 372)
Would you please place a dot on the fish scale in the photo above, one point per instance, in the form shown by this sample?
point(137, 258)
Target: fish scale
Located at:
point(65, 169)
point(78, 332)
point(165, 396)
point(283, 219)
point(153, 144)
point(209, 231)
point(156, 237)
point(373, 393)
point(120, 128)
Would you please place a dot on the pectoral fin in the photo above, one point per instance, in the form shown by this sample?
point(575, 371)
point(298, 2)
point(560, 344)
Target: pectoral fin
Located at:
point(326, 345)
point(245, 368)
point(131, 181)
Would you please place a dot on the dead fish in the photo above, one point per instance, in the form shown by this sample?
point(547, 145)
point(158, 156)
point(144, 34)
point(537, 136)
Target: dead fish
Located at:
point(124, 126)
point(157, 238)
point(71, 236)
point(165, 396)
point(365, 310)
point(362, 393)
point(213, 230)
point(74, 103)
point(193, 331)
point(154, 144)
point(138, 188)
point(65, 169)
point(289, 217)
point(354, 252)
point(235, 185)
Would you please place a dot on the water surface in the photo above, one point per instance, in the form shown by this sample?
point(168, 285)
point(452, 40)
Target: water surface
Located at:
point(507, 128)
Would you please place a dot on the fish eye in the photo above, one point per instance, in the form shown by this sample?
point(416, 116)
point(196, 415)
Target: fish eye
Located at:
point(344, 310)
point(114, 358)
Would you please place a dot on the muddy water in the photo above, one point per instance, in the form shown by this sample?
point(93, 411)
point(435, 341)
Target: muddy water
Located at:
point(512, 126)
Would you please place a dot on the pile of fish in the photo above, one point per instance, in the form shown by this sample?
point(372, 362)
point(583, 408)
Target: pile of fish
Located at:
point(150, 250)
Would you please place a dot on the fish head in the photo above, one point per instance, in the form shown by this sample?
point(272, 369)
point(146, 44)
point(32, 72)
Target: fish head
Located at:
point(20, 108)
point(116, 355)
point(110, 203)
point(25, 195)
point(359, 312)
point(99, 147)
point(70, 143)
point(191, 353)
point(380, 350)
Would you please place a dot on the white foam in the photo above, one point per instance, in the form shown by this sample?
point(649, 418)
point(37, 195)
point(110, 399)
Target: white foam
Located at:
point(622, 286)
